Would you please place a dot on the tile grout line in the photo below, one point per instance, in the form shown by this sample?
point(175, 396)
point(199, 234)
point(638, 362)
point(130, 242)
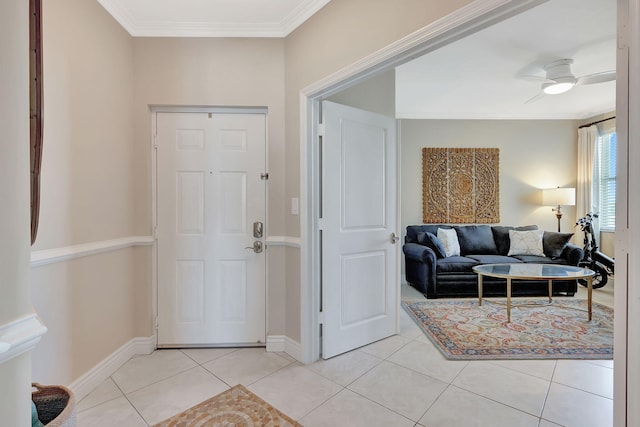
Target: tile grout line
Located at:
point(382, 406)
point(144, 420)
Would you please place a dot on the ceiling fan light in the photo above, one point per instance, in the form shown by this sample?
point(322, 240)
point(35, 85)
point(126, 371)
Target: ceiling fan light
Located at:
point(557, 87)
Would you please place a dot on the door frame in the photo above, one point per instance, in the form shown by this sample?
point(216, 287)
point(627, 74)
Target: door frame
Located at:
point(467, 20)
point(154, 109)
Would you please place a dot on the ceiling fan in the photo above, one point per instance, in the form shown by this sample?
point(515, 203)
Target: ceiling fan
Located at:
point(559, 78)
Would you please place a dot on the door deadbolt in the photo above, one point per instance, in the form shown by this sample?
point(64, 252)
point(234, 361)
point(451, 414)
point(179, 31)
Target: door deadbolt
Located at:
point(257, 230)
point(257, 247)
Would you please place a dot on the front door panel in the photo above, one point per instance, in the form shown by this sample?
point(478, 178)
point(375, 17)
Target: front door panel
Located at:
point(211, 290)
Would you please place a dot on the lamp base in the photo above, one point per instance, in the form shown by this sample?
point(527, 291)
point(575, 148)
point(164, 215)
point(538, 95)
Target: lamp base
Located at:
point(558, 215)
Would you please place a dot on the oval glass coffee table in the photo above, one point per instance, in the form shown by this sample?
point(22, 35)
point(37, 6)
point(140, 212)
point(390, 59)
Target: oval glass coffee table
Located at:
point(523, 271)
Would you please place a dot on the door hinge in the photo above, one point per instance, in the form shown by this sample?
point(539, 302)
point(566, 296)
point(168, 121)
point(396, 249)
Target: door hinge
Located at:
point(320, 224)
point(155, 233)
point(264, 176)
point(321, 129)
point(321, 317)
point(156, 323)
point(155, 142)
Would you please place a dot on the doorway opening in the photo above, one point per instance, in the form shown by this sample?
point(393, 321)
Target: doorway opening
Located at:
point(430, 39)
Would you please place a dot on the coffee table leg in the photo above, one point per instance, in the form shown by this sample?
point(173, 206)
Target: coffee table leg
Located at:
point(509, 299)
point(550, 290)
point(479, 289)
point(589, 292)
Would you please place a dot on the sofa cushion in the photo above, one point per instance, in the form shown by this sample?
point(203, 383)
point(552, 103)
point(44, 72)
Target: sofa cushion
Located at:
point(501, 236)
point(449, 240)
point(533, 259)
point(476, 239)
point(554, 243)
point(525, 242)
point(455, 264)
point(494, 259)
point(431, 241)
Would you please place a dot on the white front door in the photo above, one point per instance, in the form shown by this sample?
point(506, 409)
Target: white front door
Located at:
point(359, 252)
point(210, 193)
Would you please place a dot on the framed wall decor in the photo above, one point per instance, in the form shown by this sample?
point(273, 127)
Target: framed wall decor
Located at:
point(460, 185)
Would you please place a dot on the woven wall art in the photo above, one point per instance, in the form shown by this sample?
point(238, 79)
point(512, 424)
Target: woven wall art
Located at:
point(460, 185)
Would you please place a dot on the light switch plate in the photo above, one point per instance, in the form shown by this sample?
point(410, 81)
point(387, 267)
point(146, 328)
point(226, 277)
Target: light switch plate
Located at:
point(295, 206)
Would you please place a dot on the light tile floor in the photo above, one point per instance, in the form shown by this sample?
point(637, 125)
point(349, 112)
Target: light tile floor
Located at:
point(399, 381)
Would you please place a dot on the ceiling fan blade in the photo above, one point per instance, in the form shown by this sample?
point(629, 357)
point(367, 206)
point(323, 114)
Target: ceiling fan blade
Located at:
point(534, 78)
point(535, 98)
point(591, 79)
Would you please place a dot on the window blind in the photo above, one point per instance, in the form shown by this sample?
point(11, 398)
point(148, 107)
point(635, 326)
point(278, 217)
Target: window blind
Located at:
point(606, 170)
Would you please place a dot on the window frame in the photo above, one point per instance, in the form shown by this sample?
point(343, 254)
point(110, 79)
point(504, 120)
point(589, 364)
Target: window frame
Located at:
point(604, 192)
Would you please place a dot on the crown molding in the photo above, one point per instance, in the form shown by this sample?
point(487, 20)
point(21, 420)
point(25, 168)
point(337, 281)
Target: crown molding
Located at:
point(300, 14)
point(137, 26)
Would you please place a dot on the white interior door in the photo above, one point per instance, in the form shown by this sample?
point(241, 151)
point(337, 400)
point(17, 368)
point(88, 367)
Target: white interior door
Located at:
point(359, 254)
point(211, 289)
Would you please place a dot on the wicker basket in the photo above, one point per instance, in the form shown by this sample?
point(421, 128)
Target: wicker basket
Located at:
point(56, 405)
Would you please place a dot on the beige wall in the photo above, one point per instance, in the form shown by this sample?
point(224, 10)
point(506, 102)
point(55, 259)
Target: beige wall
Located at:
point(15, 378)
point(216, 72)
point(341, 33)
point(96, 304)
point(87, 191)
point(376, 94)
point(89, 315)
point(534, 154)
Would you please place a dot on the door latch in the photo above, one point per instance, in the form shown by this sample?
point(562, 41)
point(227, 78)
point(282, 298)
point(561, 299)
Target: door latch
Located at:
point(257, 247)
point(394, 238)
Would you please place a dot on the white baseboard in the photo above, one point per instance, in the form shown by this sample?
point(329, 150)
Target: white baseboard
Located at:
point(275, 343)
point(103, 370)
point(293, 348)
point(282, 343)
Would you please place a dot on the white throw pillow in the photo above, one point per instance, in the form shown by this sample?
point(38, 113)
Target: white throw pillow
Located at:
point(449, 240)
point(526, 242)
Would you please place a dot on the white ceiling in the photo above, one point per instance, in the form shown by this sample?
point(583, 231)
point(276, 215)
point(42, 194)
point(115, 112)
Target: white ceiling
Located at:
point(211, 18)
point(480, 77)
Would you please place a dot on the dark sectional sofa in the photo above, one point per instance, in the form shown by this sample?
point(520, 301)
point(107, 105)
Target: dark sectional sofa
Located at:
point(438, 276)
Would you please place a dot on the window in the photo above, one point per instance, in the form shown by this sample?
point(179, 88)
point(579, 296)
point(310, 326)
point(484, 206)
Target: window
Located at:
point(605, 180)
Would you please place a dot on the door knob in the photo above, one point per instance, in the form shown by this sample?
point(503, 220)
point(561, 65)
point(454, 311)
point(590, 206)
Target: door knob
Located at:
point(257, 247)
point(394, 238)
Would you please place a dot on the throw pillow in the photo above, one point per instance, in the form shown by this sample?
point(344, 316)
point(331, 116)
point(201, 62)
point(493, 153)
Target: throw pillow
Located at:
point(501, 236)
point(431, 241)
point(554, 243)
point(476, 239)
point(526, 242)
point(449, 239)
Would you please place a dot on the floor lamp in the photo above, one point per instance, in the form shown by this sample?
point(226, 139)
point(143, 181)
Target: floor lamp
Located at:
point(558, 197)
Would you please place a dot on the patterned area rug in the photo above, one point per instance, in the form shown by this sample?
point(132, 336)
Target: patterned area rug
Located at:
point(462, 330)
point(236, 407)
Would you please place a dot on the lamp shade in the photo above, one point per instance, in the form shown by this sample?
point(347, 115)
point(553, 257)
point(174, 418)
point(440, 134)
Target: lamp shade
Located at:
point(559, 197)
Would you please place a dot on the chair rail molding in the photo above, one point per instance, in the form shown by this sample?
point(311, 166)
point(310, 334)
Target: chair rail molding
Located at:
point(50, 256)
point(293, 242)
point(20, 336)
